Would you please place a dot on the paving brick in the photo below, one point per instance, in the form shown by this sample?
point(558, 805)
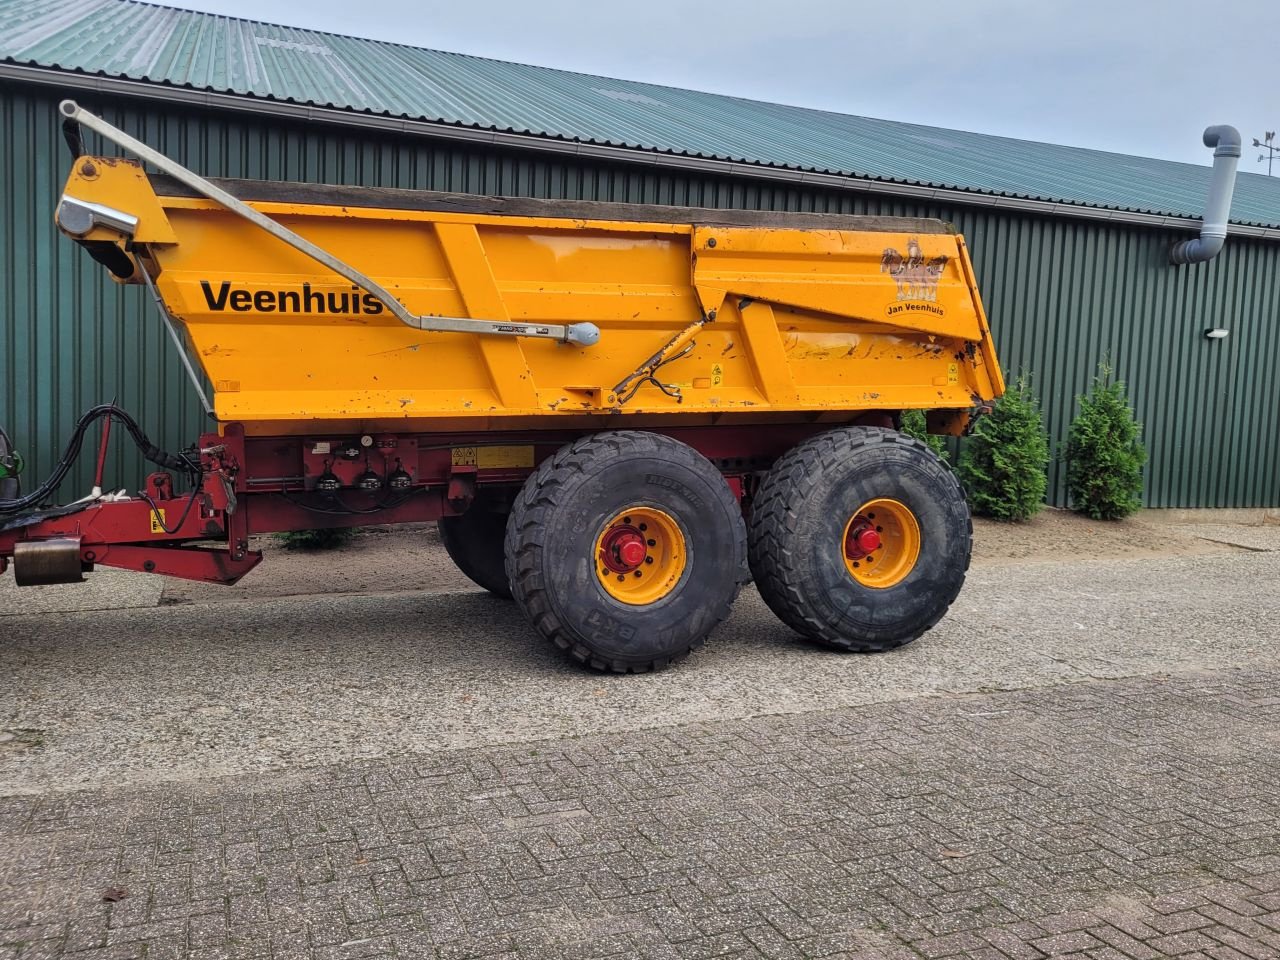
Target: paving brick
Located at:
point(1178, 922)
point(1062, 944)
point(1014, 943)
point(1125, 944)
point(1178, 944)
point(953, 945)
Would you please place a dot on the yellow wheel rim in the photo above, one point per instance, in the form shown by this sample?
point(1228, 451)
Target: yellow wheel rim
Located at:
point(640, 555)
point(881, 543)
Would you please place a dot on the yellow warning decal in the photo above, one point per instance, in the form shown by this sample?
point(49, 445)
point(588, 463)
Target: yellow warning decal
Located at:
point(493, 458)
point(953, 373)
point(157, 520)
point(717, 375)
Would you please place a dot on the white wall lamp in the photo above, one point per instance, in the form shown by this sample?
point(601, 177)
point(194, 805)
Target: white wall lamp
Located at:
point(1216, 333)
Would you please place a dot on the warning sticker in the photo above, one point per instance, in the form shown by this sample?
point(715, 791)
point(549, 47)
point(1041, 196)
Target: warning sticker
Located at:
point(157, 520)
point(493, 458)
point(717, 375)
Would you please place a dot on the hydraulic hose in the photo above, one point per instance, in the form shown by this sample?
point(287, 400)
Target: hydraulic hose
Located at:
point(150, 451)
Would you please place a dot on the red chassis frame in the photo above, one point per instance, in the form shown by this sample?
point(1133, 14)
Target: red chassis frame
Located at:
point(255, 485)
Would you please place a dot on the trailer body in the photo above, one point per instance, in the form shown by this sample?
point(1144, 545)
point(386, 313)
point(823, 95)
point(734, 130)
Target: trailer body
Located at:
point(797, 314)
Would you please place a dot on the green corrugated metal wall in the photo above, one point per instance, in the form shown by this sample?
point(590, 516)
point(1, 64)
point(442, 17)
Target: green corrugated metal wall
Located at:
point(1062, 294)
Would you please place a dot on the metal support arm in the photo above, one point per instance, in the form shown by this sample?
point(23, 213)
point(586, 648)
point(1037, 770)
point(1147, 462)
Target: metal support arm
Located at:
point(584, 334)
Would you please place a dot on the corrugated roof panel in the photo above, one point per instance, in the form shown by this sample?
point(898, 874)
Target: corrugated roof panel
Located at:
point(141, 41)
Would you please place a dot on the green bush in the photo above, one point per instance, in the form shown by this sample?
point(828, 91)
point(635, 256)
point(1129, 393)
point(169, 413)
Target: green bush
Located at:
point(326, 538)
point(913, 425)
point(1002, 464)
point(1105, 453)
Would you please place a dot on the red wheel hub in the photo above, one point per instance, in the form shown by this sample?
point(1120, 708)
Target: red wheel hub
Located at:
point(624, 549)
point(862, 540)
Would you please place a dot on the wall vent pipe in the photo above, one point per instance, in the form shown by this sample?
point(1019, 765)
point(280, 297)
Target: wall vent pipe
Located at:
point(1225, 141)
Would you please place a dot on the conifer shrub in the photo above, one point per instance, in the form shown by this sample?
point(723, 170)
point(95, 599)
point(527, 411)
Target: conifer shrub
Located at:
point(1002, 464)
point(913, 425)
point(1105, 453)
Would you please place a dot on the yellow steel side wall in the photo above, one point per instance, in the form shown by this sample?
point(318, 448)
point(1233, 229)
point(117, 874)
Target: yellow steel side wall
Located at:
point(804, 320)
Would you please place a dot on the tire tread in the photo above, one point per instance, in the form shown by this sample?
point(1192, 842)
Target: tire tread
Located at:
point(777, 570)
point(545, 492)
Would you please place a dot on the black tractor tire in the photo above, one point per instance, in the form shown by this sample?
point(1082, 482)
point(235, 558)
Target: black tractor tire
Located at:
point(798, 524)
point(553, 552)
point(475, 543)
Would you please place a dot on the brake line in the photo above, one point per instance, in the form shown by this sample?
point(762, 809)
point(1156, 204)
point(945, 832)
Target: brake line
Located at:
point(74, 448)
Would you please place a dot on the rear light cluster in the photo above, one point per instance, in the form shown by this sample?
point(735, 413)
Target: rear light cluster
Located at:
point(368, 463)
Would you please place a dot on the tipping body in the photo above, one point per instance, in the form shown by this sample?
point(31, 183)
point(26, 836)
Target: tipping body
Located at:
point(700, 312)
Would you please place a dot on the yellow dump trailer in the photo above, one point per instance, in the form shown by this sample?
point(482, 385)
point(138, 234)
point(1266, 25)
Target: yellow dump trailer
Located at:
point(615, 411)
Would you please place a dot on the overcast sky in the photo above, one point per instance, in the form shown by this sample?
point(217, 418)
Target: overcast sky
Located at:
point(1133, 76)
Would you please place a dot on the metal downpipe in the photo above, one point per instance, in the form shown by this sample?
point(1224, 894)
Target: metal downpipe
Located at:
point(1225, 140)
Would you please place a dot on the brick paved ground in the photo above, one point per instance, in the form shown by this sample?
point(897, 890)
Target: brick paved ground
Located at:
point(1120, 819)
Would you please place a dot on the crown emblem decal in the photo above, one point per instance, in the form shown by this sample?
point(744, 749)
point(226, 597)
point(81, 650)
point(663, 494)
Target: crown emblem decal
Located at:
point(916, 277)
